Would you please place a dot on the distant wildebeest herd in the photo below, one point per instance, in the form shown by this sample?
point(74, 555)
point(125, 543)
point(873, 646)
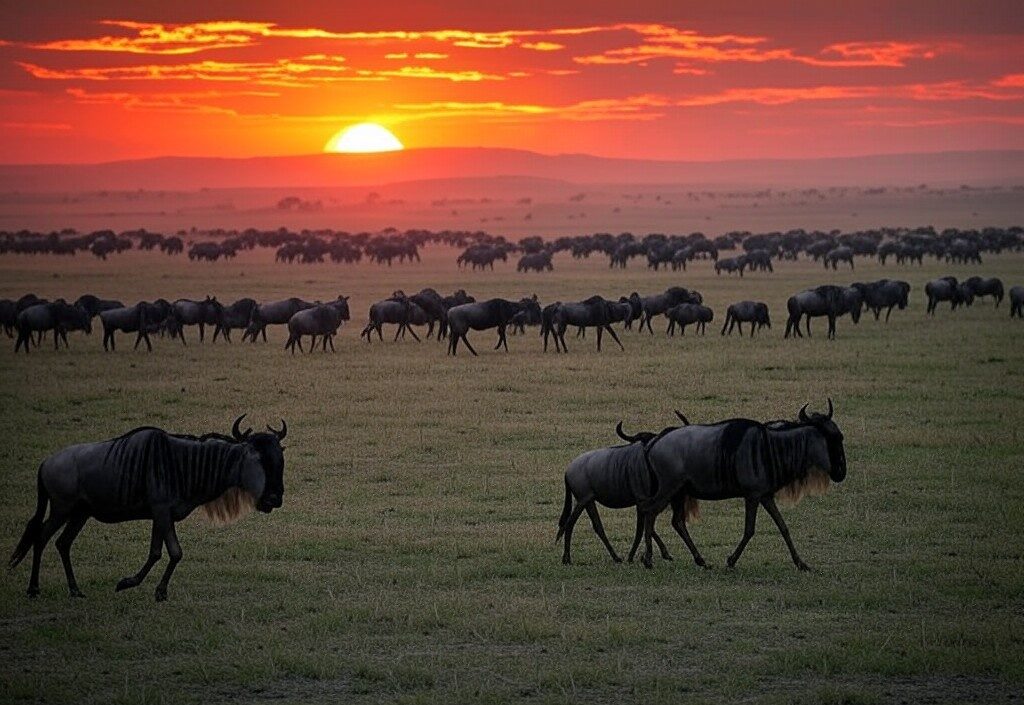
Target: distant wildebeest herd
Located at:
point(452, 317)
point(481, 250)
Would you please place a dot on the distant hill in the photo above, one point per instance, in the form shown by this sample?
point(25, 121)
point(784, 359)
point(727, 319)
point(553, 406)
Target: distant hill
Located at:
point(462, 165)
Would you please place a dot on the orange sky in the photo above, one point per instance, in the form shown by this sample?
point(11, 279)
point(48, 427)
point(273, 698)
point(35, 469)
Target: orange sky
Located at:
point(681, 80)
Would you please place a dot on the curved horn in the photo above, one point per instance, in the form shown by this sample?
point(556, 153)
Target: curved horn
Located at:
point(830, 408)
point(803, 414)
point(686, 421)
point(236, 431)
point(619, 432)
point(280, 434)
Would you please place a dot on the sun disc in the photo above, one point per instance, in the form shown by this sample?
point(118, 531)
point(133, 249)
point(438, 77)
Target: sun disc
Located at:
point(362, 138)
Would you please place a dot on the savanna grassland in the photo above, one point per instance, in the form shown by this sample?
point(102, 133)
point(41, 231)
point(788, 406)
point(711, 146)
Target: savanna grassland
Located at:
point(414, 558)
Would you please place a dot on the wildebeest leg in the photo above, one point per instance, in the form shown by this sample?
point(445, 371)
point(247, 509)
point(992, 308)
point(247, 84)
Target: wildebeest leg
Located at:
point(595, 520)
point(648, 320)
point(725, 325)
point(611, 332)
point(679, 524)
point(156, 541)
point(599, 329)
point(748, 531)
point(412, 333)
point(753, 328)
point(63, 543)
point(569, 524)
point(639, 532)
point(887, 314)
point(173, 556)
point(380, 331)
point(46, 532)
point(263, 330)
point(808, 325)
point(330, 339)
point(465, 341)
point(769, 504)
point(832, 327)
point(401, 327)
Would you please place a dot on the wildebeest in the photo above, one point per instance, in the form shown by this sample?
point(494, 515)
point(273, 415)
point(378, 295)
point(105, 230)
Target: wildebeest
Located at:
point(237, 315)
point(493, 313)
point(273, 313)
point(393, 310)
point(94, 305)
point(434, 309)
point(151, 474)
point(595, 312)
point(1017, 301)
point(618, 478)
point(884, 293)
point(759, 259)
point(197, 313)
point(322, 319)
point(8, 316)
point(731, 264)
point(685, 314)
point(947, 289)
point(142, 319)
point(57, 316)
point(536, 261)
point(658, 304)
point(827, 300)
point(986, 287)
point(839, 254)
point(741, 458)
point(753, 312)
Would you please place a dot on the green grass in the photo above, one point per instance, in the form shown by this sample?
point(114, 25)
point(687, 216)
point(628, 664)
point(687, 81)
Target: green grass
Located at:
point(414, 560)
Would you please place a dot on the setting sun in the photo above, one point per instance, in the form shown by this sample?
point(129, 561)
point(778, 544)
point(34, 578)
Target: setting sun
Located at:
point(364, 137)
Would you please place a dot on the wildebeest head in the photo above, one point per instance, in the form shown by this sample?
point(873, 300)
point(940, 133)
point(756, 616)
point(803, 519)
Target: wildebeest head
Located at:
point(263, 469)
point(763, 317)
point(833, 440)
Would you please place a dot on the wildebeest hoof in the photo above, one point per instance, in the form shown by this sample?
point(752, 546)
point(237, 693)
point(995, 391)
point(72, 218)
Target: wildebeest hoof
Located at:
point(161, 593)
point(75, 592)
point(648, 563)
point(566, 561)
point(667, 556)
point(125, 584)
point(803, 566)
point(617, 559)
point(700, 562)
point(32, 592)
point(730, 562)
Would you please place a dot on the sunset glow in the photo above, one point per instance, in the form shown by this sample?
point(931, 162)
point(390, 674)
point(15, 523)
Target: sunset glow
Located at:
point(363, 138)
point(718, 81)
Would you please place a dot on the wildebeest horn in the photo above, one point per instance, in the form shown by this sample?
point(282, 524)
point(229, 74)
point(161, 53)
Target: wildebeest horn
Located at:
point(830, 409)
point(803, 414)
point(686, 421)
point(619, 432)
point(280, 434)
point(236, 432)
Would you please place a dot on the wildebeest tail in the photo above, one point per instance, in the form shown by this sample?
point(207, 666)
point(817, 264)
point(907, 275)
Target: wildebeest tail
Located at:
point(34, 526)
point(566, 511)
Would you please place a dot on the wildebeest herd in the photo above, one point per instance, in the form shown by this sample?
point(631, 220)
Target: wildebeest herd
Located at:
point(481, 250)
point(452, 317)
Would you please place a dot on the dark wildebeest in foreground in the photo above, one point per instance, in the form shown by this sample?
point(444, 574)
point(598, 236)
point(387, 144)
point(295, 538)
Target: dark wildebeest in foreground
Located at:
point(753, 312)
point(658, 304)
point(276, 313)
point(142, 319)
point(986, 287)
point(1017, 301)
point(595, 312)
point(615, 477)
point(197, 313)
point(947, 289)
point(149, 474)
point(685, 314)
point(58, 316)
point(235, 316)
point(741, 458)
point(493, 313)
point(828, 300)
point(8, 316)
point(393, 310)
point(434, 309)
point(884, 293)
point(322, 319)
point(94, 306)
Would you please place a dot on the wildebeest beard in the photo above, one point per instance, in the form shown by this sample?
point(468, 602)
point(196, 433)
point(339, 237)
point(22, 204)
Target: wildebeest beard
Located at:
point(789, 452)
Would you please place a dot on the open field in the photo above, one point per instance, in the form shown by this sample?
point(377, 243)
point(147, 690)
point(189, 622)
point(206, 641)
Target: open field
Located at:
point(413, 560)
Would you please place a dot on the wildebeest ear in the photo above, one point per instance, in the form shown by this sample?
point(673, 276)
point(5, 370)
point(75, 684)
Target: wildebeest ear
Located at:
point(830, 407)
